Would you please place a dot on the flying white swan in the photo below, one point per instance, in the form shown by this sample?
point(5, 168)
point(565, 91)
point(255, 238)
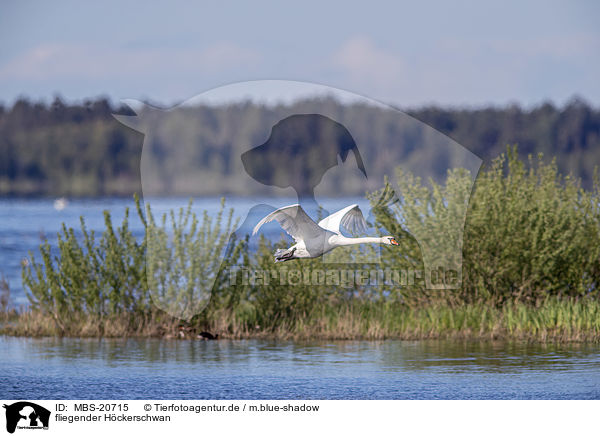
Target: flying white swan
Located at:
point(312, 239)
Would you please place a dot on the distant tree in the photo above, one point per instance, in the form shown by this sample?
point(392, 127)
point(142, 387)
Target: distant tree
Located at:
point(80, 149)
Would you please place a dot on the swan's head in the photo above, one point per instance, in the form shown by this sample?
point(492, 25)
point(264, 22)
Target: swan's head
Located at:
point(389, 240)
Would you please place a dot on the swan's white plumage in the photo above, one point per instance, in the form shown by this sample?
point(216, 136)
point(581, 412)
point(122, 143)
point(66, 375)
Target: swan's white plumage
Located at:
point(350, 218)
point(312, 239)
point(294, 221)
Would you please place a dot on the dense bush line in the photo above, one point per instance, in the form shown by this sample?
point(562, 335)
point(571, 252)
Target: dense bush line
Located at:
point(530, 263)
point(529, 234)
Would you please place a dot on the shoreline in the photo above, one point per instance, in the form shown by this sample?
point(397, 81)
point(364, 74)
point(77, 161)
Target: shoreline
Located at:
point(458, 337)
point(562, 321)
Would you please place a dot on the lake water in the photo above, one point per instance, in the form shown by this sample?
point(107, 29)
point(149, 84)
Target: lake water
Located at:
point(255, 369)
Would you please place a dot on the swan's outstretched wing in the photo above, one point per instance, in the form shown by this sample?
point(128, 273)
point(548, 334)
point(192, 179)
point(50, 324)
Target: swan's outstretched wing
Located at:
point(350, 218)
point(294, 221)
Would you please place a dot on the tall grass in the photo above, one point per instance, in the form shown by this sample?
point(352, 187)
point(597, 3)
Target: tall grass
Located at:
point(555, 320)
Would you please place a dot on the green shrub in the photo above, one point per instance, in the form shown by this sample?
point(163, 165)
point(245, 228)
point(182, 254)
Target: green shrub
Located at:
point(103, 277)
point(118, 274)
point(184, 259)
point(529, 233)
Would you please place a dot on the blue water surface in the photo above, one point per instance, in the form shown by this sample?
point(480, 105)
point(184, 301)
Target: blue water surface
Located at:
point(53, 368)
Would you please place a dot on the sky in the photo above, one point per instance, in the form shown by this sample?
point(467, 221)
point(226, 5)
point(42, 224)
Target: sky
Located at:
point(409, 54)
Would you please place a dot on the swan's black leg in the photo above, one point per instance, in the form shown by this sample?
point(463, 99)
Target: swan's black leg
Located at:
point(282, 256)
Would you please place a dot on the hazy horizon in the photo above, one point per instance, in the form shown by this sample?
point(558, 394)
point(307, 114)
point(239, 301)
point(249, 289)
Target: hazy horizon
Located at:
point(403, 54)
point(48, 100)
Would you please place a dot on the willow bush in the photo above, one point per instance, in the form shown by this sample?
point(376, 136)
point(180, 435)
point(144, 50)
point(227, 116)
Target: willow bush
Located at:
point(529, 234)
point(185, 256)
point(428, 221)
point(100, 277)
point(117, 275)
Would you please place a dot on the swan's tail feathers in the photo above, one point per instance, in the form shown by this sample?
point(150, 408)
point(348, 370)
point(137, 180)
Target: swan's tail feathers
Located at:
point(282, 255)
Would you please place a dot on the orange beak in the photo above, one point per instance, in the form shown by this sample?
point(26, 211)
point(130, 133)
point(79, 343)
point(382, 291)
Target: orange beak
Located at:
point(393, 241)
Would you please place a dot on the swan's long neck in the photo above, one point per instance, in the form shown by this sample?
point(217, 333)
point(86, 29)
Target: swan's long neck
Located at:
point(342, 240)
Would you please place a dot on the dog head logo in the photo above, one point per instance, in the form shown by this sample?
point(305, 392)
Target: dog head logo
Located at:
point(299, 151)
point(26, 415)
point(306, 151)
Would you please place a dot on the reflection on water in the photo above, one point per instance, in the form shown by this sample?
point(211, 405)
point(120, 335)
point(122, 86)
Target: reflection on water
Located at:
point(136, 369)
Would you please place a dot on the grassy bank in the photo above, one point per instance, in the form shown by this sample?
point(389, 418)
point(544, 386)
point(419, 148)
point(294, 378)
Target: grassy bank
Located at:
point(529, 257)
point(554, 320)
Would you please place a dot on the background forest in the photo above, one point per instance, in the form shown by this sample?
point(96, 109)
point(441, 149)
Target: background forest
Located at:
point(62, 149)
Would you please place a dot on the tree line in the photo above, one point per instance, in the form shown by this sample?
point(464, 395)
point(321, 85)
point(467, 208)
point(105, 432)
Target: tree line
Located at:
point(80, 149)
